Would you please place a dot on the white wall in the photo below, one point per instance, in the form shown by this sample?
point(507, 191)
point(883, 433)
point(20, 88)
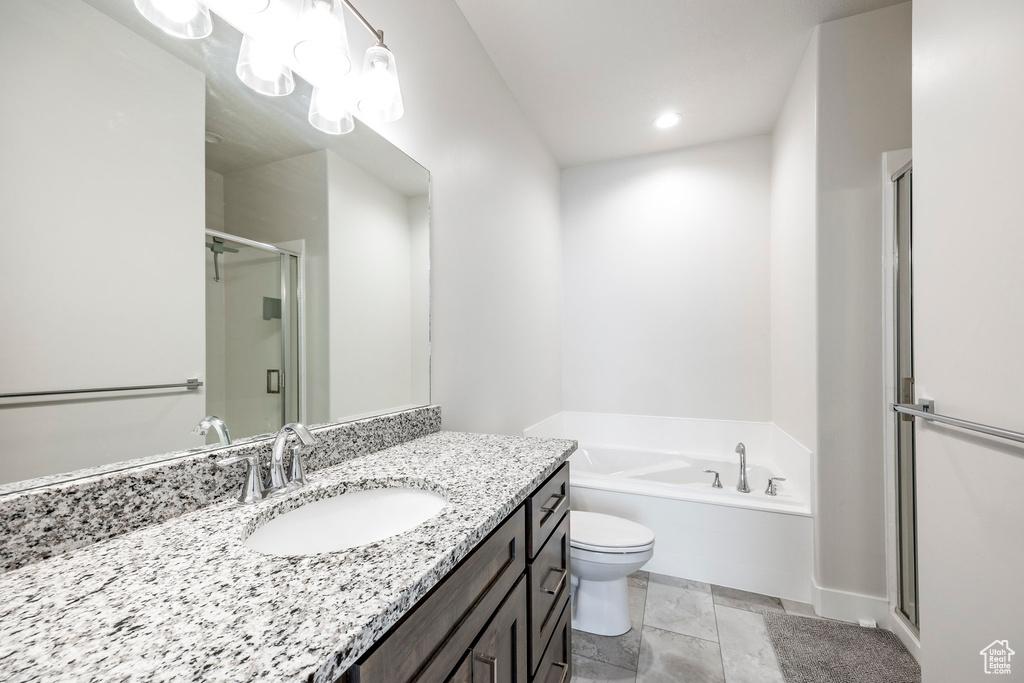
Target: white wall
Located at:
point(287, 200)
point(968, 326)
point(863, 111)
point(666, 283)
point(495, 243)
point(419, 274)
point(101, 212)
point(794, 287)
point(371, 292)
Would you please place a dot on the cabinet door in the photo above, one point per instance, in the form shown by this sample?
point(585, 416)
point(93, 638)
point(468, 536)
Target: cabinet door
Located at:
point(464, 671)
point(499, 656)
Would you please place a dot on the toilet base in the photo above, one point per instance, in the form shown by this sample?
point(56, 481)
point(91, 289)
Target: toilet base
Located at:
point(601, 607)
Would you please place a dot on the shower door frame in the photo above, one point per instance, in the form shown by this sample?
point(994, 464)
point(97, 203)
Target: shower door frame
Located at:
point(300, 299)
point(894, 165)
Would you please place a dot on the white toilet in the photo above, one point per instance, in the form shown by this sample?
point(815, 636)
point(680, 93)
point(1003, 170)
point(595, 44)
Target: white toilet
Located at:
point(605, 550)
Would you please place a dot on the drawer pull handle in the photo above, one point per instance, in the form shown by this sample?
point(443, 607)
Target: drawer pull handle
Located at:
point(558, 586)
point(565, 671)
point(491, 662)
point(552, 509)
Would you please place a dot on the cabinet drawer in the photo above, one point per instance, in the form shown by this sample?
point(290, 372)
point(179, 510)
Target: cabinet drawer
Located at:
point(556, 664)
point(427, 644)
point(548, 575)
point(545, 508)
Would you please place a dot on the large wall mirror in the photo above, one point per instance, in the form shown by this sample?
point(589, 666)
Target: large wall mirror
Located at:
point(162, 222)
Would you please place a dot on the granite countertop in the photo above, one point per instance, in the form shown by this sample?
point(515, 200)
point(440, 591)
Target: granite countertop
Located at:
point(185, 600)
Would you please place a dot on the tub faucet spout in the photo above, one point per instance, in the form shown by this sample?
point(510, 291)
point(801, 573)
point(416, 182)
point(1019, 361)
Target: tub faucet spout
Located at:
point(741, 485)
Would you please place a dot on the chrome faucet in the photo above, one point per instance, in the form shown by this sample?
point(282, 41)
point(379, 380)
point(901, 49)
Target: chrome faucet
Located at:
point(278, 480)
point(215, 423)
point(741, 485)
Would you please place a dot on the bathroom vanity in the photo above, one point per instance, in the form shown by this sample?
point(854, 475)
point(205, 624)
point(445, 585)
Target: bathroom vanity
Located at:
point(479, 592)
point(501, 615)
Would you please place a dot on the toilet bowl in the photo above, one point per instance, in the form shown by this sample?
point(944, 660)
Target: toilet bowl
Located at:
point(605, 550)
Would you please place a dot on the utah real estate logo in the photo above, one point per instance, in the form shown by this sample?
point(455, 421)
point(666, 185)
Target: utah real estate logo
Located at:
point(997, 657)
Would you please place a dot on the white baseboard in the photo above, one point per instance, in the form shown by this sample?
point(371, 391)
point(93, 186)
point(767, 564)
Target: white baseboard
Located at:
point(851, 607)
point(911, 641)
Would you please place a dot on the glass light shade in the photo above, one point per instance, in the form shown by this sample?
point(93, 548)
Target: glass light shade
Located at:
point(260, 68)
point(253, 6)
point(180, 18)
point(322, 53)
point(381, 96)
point(329, 112)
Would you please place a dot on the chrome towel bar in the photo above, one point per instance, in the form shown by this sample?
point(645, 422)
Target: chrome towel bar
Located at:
point(925, 409)
point(190, 384)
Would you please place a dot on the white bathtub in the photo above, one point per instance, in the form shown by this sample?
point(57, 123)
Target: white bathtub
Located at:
point(651, 470)
point(671, 474)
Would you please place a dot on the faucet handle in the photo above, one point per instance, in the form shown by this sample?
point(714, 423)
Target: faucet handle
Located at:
point(718, 482)
point(771, 490)
point(252, 488)
point(297, 472)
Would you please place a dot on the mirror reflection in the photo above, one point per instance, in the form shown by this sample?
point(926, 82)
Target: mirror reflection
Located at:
point(164, 223)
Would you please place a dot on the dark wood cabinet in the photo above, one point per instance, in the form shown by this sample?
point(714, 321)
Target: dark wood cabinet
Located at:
point(545, 508)
point(548, 574)
point(556, 663)
point(464, 671)
point(499, 655)
point(499, 616)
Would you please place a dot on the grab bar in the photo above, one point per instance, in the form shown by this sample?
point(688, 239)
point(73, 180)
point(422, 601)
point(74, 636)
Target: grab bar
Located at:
point(191, 384)
point(925, 409)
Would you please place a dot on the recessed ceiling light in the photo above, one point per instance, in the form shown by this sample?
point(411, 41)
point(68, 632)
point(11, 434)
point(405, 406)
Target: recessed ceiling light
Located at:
point(667, 120)
point(214, 138)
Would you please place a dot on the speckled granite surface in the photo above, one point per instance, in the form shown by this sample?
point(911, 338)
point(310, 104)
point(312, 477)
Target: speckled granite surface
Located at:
point(186, 601)
point(60, 515)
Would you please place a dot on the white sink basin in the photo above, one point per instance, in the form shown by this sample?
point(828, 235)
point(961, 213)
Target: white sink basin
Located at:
point(346, 521)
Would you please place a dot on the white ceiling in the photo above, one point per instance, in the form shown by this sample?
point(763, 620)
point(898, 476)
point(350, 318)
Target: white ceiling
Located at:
point(591, 75)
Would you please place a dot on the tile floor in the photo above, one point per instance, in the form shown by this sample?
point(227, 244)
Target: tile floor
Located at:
point(685, 632)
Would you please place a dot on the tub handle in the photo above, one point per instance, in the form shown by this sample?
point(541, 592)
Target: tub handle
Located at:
point(718, 482)
point(552, 509)
point(771, 485)
point(558, 586)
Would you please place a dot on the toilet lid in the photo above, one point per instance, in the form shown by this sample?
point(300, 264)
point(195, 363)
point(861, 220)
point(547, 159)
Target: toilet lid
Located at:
point(594, 531)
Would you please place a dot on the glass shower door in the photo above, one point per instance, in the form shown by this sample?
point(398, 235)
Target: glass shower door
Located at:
point(906, 478)
point(252, 335)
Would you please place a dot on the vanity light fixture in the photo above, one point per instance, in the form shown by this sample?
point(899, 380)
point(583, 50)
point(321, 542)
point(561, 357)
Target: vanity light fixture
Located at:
point(180, 18)
point(329, 112)
point(320, 53)
point(668, 120)
point(260, 68)
point(253, 6)
point(380, 97)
